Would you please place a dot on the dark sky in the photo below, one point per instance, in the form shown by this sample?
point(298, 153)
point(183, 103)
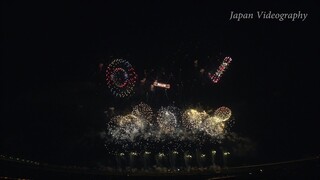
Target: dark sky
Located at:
point(52, 98)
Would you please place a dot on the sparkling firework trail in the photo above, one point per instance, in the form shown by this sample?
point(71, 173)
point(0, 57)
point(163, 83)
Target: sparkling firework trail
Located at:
point(161, 85)
point(223, 66)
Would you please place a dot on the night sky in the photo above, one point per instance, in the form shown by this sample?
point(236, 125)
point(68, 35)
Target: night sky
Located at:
point(53, 97)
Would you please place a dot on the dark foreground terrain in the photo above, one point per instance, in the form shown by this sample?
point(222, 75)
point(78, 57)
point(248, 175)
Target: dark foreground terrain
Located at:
point(15, 168)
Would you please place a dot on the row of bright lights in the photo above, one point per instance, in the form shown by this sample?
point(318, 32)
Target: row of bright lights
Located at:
point(5, 177)
point(19, 159)
point(174, 152)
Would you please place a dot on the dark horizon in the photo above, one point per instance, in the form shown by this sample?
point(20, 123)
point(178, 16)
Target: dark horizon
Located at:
point(53, 96)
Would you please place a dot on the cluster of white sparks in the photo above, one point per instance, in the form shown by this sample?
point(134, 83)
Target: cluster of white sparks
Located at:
point(167, 120)
point(141, 126)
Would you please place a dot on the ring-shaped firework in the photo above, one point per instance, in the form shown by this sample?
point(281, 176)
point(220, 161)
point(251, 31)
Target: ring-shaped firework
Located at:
point(121, 77)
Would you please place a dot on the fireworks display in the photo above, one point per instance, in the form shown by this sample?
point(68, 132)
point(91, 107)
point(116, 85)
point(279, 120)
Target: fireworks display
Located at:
point(167, 119)
point(126, 127)
point(144, 112)
point(213, 126)
point(169, 125)
point(161, 85)
point(223, 66)
point(121, 77)
point(193, 119)
point(222, 114)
